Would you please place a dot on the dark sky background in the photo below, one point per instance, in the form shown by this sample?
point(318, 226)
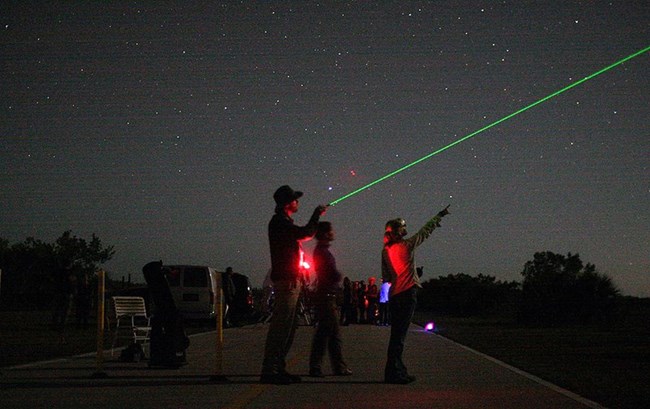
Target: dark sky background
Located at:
point(165, 127)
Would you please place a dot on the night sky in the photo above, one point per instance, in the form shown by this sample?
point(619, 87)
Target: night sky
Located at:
point(165, 127)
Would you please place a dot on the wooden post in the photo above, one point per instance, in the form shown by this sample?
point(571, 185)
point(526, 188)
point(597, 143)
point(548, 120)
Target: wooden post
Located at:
point(101, 289)
point(218, 376)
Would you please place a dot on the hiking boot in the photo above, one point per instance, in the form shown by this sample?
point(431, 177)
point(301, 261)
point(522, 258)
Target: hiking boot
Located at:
point(343, 372)
point(292, 378)
point(316, 373)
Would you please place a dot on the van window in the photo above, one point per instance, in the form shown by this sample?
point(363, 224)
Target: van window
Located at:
point(173, 277)
point(195, 277)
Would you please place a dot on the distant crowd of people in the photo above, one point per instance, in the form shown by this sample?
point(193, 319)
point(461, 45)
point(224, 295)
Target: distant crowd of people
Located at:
point(365, 303)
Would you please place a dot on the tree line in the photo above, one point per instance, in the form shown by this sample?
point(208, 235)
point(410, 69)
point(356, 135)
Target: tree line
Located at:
point(555, 289)
point(33, 271)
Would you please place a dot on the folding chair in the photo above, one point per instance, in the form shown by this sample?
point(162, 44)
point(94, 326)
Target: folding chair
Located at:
point(131, 314)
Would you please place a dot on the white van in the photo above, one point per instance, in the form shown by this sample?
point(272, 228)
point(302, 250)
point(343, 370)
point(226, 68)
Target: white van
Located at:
point(193, 289)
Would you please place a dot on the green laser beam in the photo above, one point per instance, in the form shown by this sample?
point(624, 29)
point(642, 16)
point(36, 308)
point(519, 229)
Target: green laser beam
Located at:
point(485, 128)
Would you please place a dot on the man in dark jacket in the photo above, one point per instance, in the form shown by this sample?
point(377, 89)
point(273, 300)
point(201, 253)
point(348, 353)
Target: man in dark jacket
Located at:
point(286, 274)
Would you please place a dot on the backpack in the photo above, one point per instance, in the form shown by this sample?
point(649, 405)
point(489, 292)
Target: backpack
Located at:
point(132, 353)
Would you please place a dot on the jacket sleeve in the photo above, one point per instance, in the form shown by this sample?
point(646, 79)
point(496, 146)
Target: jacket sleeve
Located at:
point(288, 231)
point(424, 232)
point(306, 231)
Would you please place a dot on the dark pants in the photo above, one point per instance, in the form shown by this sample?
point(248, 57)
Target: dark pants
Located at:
point(372, 312)
point(346, 312)
point(283, 327)
point(327, 335)
point(383, 313)
point(402, 307)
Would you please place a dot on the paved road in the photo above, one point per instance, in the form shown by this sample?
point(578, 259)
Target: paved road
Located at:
point(448, 376)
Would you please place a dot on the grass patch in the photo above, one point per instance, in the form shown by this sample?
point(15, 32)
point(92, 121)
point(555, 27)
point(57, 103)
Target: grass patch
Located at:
point(606, 365)
point(27, 337)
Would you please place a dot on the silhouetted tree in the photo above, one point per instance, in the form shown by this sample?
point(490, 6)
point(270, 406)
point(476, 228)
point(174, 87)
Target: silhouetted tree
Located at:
point(560, 289)
point(29, 268)
point(464, 295)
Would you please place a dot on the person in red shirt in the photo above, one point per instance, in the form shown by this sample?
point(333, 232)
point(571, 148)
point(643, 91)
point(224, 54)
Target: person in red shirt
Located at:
point(398, 268)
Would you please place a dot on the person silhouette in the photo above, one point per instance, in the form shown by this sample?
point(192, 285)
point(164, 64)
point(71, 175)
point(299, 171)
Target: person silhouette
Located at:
point(286, 272)
point(327, 334)
point(398, 268)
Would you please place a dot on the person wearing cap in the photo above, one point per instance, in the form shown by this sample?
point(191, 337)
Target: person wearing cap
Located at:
point(286, 273)
point(398, 268)
point(327, 334)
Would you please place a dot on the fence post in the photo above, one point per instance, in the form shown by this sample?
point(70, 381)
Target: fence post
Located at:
point(101, 289)
point(218, 376)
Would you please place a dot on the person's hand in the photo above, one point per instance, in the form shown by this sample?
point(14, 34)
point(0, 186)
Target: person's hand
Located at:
point(320, 210)
point(444, 212)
